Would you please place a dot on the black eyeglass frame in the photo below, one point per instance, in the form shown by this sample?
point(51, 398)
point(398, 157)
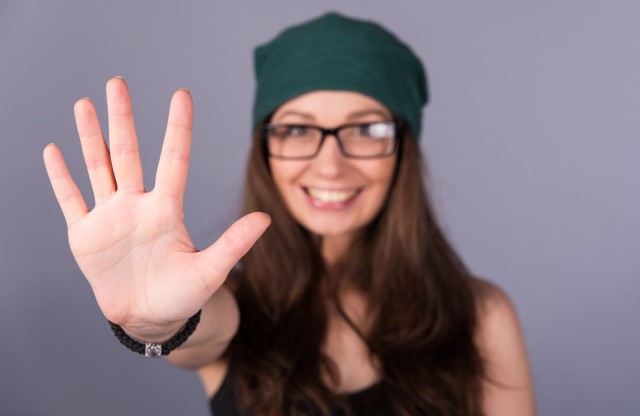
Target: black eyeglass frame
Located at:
point(398, 126)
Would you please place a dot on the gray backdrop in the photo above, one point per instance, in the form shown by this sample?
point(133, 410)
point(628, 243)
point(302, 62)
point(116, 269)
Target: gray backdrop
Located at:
point(532, 137)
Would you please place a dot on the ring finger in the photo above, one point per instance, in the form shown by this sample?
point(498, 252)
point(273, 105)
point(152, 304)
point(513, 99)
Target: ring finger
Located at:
point(95, 151)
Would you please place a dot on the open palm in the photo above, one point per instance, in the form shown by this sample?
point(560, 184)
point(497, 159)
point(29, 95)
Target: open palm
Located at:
point(133, 246)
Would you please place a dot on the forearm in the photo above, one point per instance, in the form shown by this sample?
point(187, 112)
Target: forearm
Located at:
point(218, 325)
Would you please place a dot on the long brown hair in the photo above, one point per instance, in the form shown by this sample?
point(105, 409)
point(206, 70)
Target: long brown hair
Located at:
point(420, 303)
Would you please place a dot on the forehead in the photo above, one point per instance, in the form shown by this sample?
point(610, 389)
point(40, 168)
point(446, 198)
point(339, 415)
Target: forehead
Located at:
point(331, 106)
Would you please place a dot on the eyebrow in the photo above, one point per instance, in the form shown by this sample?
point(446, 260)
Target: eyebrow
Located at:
point(363, 113)
point(306, 116)
point(353, 116)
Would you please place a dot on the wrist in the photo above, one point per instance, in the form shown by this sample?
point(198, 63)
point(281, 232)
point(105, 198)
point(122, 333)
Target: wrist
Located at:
point(153, 333)
point(156, 349)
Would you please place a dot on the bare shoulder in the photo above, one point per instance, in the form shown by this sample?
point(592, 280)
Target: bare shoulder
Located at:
point(497, 316)
point(508, 387)
point(490, 295)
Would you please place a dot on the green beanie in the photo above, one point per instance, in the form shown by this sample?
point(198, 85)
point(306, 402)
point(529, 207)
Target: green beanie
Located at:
point(334, 52)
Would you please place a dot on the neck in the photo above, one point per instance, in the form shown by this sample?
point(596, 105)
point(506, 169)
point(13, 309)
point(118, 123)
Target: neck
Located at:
point(335, 247)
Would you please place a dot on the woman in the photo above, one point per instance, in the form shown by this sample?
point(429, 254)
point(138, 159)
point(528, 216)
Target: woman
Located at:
point(352, 302)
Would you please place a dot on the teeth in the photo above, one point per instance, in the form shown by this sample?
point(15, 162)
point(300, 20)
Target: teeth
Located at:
point(327, 196)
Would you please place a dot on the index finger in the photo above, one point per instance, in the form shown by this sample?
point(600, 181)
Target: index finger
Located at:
point(171, 176)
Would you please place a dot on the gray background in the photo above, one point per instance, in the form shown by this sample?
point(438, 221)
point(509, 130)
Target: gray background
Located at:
point(532, 137)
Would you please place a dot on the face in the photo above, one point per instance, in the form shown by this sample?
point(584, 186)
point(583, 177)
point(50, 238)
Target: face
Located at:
point(331, 195)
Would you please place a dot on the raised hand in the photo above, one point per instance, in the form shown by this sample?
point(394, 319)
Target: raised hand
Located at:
point(133, 246)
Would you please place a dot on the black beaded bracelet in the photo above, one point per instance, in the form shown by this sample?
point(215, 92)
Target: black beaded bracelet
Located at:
point(152, 349)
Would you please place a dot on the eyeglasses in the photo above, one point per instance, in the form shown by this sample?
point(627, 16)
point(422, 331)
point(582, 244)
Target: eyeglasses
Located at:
point(357, 141)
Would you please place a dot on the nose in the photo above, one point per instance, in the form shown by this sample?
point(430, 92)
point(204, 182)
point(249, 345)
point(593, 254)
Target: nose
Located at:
point(329, 162)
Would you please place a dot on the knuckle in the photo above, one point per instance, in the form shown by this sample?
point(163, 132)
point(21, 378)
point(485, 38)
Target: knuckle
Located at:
point(123, 149)
point(97, 163)
point(176, 154)
point(68, 196)
point(234, 242)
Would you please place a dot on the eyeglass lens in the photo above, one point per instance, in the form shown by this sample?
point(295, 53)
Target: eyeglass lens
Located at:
point(363, 140)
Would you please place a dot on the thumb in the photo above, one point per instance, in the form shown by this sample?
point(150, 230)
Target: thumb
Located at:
point(218, 259)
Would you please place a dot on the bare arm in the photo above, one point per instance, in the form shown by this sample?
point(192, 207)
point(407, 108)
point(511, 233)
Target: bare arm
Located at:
point(218, 325)
point(133, 246)
point(508, 389)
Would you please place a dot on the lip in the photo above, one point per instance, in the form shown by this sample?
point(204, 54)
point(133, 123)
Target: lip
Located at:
point(331, 205)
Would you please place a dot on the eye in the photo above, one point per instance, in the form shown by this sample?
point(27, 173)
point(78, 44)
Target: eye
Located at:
point(285, 132)
point(376, 130)
point(297, 131)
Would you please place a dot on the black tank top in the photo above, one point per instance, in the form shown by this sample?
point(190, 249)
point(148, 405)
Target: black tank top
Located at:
point(367, 402)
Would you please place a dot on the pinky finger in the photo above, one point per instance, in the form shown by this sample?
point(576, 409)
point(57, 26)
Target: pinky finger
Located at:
point(67, 193)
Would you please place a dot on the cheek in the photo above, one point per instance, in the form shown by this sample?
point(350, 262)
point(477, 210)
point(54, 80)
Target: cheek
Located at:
point(381, 175)
point(278, 172)
point(380, 178)
point(284, 174)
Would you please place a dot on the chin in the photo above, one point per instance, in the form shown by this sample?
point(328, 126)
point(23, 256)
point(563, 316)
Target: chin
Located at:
point(331, 230)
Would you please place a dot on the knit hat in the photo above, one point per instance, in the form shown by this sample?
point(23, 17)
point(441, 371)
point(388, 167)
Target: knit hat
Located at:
point(335, 52)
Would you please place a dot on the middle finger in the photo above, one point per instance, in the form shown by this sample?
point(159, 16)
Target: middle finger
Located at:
point(123, 142)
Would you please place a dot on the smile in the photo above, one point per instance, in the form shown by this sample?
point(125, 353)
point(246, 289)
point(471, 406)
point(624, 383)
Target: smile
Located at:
point(328, 198)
